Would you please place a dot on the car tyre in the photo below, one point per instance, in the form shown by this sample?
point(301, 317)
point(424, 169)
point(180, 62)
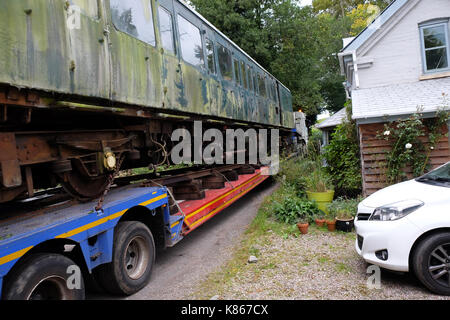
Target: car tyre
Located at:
point(431, 263)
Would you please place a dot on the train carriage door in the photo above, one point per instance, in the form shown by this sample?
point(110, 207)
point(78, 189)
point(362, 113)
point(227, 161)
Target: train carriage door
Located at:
point(135, 59)
point(277, 110)
point(225, 64)
point(89, 52)
point(214, 84)
point(171, 68)
point(191, 34)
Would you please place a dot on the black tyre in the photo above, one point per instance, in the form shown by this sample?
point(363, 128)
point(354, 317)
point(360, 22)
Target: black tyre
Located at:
point(431, 263)
point(133, 259)
point(44, 277)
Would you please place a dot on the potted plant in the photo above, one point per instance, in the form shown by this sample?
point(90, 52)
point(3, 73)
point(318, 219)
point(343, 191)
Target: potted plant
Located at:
point(320, 219)
point(303, 225)
point(345, 215)
point(319, 188)
point(331, 221)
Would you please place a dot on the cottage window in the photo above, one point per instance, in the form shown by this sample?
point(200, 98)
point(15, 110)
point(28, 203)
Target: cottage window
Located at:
point(435, 46)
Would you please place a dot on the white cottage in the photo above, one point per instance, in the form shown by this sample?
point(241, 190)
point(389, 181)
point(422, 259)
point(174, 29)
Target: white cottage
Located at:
point(397, 64)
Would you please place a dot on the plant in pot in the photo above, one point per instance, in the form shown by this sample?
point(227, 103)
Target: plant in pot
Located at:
point(303, 225)
point(319, 188)
point(320, 219)
point(345, 214)
point(331, 219)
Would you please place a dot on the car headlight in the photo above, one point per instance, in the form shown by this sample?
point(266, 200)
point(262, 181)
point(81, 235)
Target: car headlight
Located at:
point(395, 210)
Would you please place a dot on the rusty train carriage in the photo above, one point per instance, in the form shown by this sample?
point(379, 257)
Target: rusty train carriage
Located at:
point(113, 82)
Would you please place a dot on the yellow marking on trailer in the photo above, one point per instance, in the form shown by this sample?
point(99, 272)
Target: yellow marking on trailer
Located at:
point(174, 225)
point(106, 219)
point(220, 198)
point(14, 256)
point(223, 205)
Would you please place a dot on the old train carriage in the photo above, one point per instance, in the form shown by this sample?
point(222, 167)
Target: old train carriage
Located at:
point(82, 81)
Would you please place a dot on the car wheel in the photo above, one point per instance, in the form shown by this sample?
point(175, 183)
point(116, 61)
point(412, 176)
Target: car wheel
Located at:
point(431, 263)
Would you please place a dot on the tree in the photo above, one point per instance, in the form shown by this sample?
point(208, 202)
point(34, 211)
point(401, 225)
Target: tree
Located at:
point(340, 8)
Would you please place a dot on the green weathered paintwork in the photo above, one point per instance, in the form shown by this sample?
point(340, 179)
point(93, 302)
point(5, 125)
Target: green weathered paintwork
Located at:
point(39, 51)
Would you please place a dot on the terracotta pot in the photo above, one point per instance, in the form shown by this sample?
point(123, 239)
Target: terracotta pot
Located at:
point(320, 222)
point(331, 225)
point(303, 227)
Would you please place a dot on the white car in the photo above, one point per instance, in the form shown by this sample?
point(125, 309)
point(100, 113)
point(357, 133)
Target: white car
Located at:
point(406, 227)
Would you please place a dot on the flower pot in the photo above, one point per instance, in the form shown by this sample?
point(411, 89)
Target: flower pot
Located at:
point(331, 225)
point(303, 227)
point(345, 225)
point(320, 222)
point(323, 199)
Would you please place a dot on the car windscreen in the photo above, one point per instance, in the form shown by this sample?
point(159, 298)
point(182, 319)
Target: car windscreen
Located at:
point(440, 176)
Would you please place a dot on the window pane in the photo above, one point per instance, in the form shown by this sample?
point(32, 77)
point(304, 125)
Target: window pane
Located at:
point(262, 86)
point(434, 37)
point(237, 77)
point(135, 18)
point(166, 29)
point(225, 63)
point(210, 56)
point(436, 59)
point(191, 42)
point(244, 75)
point(250, 78)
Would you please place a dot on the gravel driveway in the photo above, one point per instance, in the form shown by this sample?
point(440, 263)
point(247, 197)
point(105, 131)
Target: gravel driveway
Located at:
point(320, 265)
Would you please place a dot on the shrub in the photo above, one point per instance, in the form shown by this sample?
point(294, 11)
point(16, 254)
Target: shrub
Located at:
point(293, 209)
point(343, 160)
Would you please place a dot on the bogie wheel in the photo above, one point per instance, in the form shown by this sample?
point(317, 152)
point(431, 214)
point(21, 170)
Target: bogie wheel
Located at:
point(44, 277)
point(432, 263)
point(133, 259)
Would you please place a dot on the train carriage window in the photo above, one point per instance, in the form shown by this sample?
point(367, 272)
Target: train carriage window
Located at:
point(191, 42)
point(210, 56)
point(244, 75)
point(250, 79)
point(262, 86)
point(134, 17)
point(237, 77)
point(87, 7)
point(166, 29)
point(255, 81)
point(225, 62)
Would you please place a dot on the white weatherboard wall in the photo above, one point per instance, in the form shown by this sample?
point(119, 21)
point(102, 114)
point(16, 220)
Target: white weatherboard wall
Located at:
point(396, 51)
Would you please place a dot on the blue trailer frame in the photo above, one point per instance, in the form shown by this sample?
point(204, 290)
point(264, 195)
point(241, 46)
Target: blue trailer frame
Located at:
point(77, 224)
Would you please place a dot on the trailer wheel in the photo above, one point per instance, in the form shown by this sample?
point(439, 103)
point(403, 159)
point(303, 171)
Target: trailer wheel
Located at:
point(43, 277)
point(133, 259)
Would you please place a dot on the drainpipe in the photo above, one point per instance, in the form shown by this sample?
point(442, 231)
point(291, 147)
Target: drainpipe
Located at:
point(355, 68)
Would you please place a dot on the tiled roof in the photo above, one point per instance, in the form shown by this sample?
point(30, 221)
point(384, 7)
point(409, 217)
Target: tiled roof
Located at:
point(401, 99)
point(334, 120)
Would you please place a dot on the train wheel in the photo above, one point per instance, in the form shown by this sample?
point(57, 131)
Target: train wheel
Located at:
point(133, 259)
point(83, 188)
point(43, 277)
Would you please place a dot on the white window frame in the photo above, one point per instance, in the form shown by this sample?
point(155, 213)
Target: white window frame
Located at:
point(423, 26)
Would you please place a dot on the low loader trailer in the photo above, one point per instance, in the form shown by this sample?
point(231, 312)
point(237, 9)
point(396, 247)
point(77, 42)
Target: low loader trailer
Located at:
point(57, 252)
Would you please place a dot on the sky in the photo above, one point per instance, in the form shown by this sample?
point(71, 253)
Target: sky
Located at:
point(305, 2)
